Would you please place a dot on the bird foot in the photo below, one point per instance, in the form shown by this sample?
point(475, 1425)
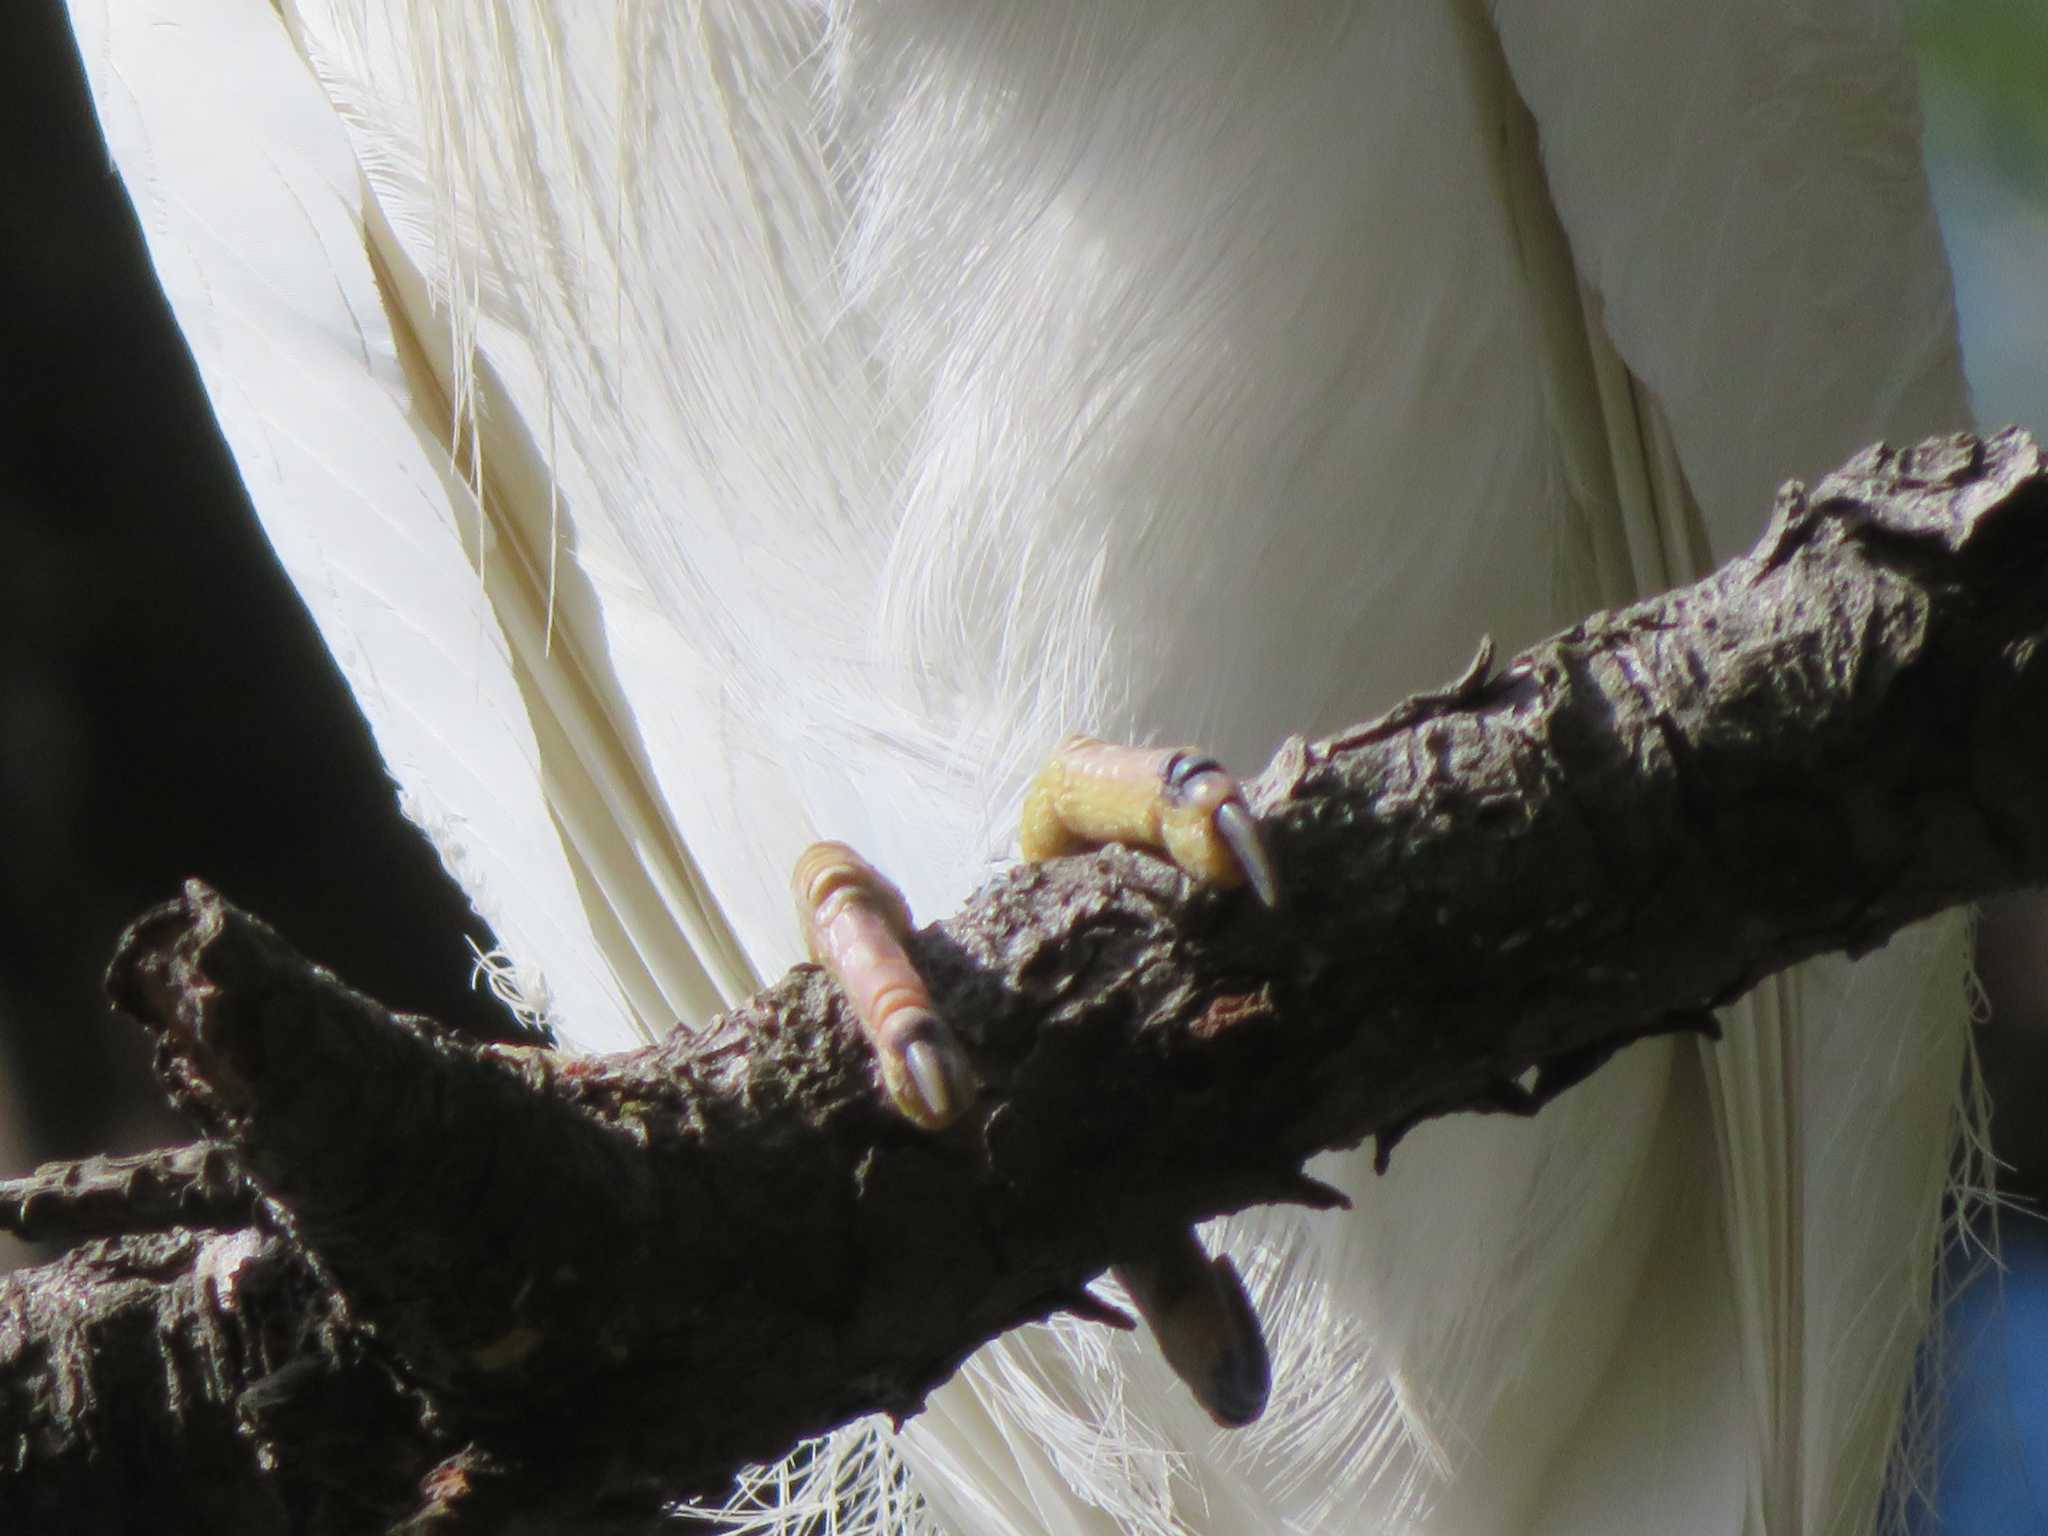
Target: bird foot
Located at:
point(1089, 792)
point(855, 922)
point(1182, 803)
point(1175, 800)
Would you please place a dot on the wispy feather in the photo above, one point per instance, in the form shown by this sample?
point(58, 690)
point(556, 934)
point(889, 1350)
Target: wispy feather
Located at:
point(698, 427)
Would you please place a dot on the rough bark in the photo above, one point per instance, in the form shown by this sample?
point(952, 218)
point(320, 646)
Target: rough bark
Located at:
point(496, 1288)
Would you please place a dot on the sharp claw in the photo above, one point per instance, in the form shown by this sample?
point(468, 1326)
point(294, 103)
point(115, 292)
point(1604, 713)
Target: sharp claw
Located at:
point(1173, 799)
point(934, 1083)
point(925, 1068)
point(855, 923)
point(1243, 1376)
point(1234, 824)
point(1203, 1321)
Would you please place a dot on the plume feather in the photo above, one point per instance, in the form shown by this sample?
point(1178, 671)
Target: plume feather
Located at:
point(702, 427)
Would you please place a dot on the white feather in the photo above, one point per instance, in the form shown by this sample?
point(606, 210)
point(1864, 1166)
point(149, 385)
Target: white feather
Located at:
point(251, 206)
point(856, 397)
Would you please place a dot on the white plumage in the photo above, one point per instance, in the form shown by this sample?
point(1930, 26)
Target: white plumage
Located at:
point(697, 428)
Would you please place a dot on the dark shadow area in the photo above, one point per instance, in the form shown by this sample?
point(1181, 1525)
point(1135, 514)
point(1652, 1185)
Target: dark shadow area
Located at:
point(166, 708)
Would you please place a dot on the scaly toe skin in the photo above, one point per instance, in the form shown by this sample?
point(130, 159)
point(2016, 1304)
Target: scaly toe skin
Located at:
point(1198, 1311)
point(1172, 799)
point(854, 922)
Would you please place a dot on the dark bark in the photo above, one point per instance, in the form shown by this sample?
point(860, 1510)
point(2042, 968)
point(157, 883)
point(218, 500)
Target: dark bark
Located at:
point(498, 1288)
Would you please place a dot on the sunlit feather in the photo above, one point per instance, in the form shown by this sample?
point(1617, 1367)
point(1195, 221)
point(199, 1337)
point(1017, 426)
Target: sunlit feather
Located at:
point(702, 427)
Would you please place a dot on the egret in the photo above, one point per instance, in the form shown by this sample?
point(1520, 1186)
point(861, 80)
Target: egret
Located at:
point(703, 428)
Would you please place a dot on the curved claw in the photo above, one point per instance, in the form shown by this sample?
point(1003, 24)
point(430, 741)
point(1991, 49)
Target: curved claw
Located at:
point(1197, 1309)
point(855, 922)
point(935, 1080)
point(1173, 799)
point(1235, 825)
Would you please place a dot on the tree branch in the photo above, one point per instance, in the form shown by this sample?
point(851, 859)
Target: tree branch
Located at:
point(498, 1288)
